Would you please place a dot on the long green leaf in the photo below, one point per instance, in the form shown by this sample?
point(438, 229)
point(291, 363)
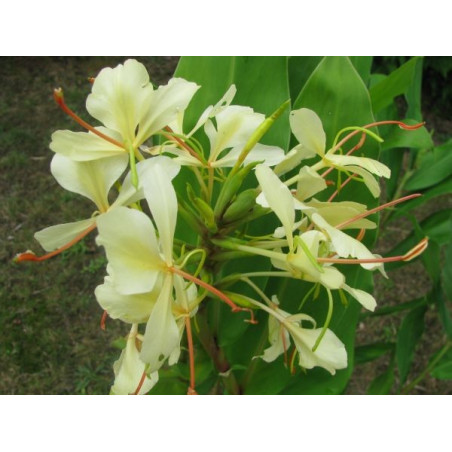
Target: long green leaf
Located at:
point(408, 336)
point(366, 353)
point(433, 170)
point(398, 82)
point(382, 384)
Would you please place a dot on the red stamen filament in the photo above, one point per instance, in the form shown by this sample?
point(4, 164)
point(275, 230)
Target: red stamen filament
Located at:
point(59, 99)
point(414, 252)
point(191, 354)
point(181, 143)
point(29, 256)
point(361, 234)
point(140, 384)
point(103, 320)
point(214, 291)
point(377, 209)
point(283, 336)
point(341, 187)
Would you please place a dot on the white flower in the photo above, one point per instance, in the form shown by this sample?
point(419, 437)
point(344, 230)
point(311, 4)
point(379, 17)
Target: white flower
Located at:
point(129, 370)
point(124, 100)
point(329, 354)
point(307, 128)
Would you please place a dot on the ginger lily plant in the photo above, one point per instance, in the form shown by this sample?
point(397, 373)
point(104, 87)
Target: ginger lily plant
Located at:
point(158, 282)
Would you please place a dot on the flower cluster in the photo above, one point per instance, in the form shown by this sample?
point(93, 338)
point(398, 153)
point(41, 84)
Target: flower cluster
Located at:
point(156, 283)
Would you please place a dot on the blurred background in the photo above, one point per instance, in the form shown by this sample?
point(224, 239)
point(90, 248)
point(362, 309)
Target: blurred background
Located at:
point(50, 336)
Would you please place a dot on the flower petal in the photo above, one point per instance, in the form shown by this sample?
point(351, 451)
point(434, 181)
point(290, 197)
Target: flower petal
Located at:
point(309, 183)
point(119, 97)
point(371, 165)
point(134, 308)
point(162, 334)
point(162, 200)
point(235, 124)
point(344, 245)
point(132, 250)
point(129, 370)
point(55, 237)
point(279, 199)
point(92, 179)
point(369, 180)
point(330, 354)
point(268, 155)
point(275, 337)
point(366, 299)
point(308, 130)
point(84, 146)
point(164, 106)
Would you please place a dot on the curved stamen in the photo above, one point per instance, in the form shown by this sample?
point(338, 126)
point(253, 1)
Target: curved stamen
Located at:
point(30, 256)
point(59, 99)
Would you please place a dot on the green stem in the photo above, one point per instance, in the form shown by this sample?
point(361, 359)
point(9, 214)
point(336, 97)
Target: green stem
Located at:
point(408, 388)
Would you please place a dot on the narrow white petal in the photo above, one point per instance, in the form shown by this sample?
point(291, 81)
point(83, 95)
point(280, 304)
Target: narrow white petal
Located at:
point(132, 250)
point(84, 146)
point(330, 354)
point(275, 337)
point(309, 183)
point(162, 333)
point(369, 180)
point(292, 159)
point(164, 106)
point(235, 124)
point(308, 130)
point(92, 179)
point(268, 155)
point(162, 200)
point(371, 165)
point(279, 198)
point(366, 299)
point(55, 237)
point(344, 245)
point(129, 370)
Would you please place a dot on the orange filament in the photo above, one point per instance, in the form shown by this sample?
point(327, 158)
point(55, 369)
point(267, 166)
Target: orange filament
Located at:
point(30, 256)
point(180, 143)
point(191, 354)
point(341, 187)
point(413, 253)
point(361, 234)
point(214, 291)
point(103, 320)
point(140, 384)
point(59, 99)
point(377, 209)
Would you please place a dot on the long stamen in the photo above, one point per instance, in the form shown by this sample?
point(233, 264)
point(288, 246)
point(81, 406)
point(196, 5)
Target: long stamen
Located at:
point(140, 384)
point(180, 142)
point(341, 187)
point(377, 209)
point(191, 389)
point(214, 291)
point(30, 256)
point(413, 253)
point(103, 320)
point(59, 99)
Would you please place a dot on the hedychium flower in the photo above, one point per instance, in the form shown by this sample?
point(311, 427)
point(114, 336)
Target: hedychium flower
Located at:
point(130, 375)
point(94, 180)
point(131, 110)
point(316, 347)
point(144, 282)
point(228, 128)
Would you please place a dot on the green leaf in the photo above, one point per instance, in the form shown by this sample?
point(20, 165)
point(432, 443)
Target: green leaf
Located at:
point(408, 336)
point(436, 296)
point(446, 273)
point(366, 353)
point(300, 69)
point(443, 370)
point(444, 187)
point(382, 384)
point(400, 138)
point(388, 310)
point(363, 64)
point(398, 82)
point(414, 93)
point(433, 172)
